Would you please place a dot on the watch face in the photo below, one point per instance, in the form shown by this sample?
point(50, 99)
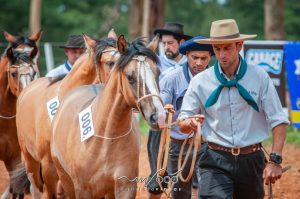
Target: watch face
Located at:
point(275, 158)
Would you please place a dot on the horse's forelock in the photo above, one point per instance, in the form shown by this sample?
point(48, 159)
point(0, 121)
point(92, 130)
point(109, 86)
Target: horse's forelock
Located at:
point(102, 44)
point(137, 47)
point(21, 40)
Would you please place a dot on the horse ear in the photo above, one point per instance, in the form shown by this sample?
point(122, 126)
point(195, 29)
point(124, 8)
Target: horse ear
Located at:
point(10, 38)
point(112, 34)
point(122, 44)
point(10, 54)
point(90, 43)
point(154, 43)
point(35, 37)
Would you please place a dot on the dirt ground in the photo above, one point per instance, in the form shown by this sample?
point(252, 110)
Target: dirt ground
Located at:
point(287, 188)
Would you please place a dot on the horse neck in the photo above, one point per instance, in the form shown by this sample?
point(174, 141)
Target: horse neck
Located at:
point(83, 72)
point(7, 99)
point(110, 110)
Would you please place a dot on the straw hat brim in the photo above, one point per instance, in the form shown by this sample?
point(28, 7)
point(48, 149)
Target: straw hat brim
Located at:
point(225, 41)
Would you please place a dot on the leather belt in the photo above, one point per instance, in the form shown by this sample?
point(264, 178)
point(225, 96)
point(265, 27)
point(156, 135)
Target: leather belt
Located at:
point(180, 141)
point(235, 151)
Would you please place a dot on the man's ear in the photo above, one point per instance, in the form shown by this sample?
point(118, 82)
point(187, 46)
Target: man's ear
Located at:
point(239, 45)
point(181, 41)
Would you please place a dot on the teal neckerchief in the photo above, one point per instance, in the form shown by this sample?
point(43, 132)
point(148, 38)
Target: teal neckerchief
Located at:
point(213, 98)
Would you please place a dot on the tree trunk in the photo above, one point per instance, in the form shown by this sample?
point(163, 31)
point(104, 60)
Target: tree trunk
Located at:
point(274, 20)
point(145, 16)
point(35, 16)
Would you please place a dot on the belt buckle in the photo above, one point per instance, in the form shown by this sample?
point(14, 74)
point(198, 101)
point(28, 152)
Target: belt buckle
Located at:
point(235, 151)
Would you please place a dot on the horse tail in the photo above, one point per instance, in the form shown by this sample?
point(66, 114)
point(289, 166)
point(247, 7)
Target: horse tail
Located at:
point(19, 181)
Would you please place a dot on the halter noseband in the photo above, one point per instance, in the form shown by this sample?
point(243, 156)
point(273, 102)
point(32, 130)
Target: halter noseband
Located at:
point(142, 63)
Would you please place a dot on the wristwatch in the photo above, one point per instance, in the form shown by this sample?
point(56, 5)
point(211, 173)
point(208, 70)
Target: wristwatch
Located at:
point(276, 158)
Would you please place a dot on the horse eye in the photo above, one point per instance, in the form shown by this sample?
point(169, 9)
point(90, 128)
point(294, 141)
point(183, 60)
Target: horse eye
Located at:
point(110, 64)
point(14, 74)
point(131, 79)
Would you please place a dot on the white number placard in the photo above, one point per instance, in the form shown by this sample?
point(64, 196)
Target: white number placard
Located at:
point(52, 106)
point(86, 124)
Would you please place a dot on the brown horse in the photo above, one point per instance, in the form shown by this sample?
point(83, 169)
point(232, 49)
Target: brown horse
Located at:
point(18, 67)
point(93, 145)
point(34, 124)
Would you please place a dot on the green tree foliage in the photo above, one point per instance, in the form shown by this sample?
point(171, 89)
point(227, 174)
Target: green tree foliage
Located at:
point(62, 18)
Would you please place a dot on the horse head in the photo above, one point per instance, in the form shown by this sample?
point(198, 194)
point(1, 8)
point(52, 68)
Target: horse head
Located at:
point(22, 54)
point(105, 54)
point(139, 80)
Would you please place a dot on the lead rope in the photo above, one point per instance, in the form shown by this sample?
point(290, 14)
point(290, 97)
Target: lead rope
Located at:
point(195, 142)
point(164, 147)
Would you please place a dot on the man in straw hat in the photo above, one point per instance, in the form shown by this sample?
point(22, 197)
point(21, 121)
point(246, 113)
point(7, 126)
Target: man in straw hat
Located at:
point(240, 105)
point(74, 47)
point(172, 89)
point(171, 35)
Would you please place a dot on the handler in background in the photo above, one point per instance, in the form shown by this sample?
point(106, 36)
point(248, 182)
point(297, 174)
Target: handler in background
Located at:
point(173, 87)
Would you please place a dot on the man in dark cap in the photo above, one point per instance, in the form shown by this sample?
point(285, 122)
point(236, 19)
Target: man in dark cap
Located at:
point(173, 87)
point(172, 36)
point(74, 47)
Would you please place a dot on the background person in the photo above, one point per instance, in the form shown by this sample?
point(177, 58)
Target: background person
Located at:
point(173, 87)
point(74, 47)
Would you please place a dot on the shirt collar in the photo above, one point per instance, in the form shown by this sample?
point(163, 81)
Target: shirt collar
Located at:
point(174, 63)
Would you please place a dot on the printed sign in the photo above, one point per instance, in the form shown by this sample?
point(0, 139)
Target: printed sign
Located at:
point(268, 55)
point(292, 61)
point(86, 124)
point(52, 106)
point(270, 60)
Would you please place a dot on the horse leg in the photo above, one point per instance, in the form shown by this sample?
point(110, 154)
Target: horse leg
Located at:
point(126, 191)
point(60, 192)
point(33, 168)
point(50, 178)
point(65, 186)
point(19, 182)
point(5, 194)
point(81, 193)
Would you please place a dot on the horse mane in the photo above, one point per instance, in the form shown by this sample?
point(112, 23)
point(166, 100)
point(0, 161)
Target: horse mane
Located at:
point(101, 45)
point(55, 79)
point(137, 47)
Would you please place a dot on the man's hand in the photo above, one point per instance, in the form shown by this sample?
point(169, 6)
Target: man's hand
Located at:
point(272, 172)
point(190, 124)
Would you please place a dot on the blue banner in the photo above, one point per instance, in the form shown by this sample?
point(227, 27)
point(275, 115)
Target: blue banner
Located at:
point(292, 61)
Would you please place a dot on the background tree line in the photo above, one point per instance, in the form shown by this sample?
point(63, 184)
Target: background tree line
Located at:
point(58, 18)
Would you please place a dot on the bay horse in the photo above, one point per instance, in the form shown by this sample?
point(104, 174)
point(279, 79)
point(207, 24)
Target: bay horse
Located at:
point(93, 144)
point(34, 124)
point(18, 67)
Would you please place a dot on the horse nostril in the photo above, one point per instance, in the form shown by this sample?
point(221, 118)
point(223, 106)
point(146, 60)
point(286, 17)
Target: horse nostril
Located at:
point(153, 118)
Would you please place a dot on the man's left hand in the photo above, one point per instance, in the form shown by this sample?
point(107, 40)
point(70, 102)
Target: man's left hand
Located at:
point(272, 172)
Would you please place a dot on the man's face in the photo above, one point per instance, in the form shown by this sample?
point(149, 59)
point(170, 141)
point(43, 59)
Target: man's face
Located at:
point(198, 60)
point(73, 54)
point(171, 46)
point(228, 54)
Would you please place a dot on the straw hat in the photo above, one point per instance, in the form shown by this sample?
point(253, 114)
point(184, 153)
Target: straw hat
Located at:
point(172, 28)
point(74, 41)
point(224, 31)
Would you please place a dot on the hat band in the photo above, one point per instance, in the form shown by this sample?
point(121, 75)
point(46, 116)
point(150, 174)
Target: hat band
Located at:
point(227, 36)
